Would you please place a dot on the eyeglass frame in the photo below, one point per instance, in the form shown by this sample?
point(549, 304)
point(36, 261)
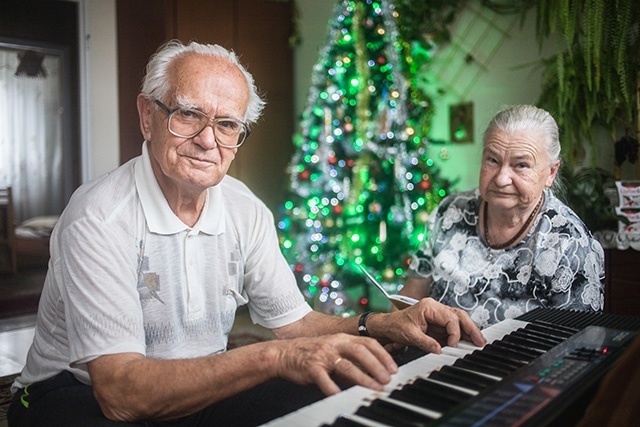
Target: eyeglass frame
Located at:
point(210, 122)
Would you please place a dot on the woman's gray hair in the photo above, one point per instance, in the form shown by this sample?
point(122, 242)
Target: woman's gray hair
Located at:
point(518, 118)
point(155, 83)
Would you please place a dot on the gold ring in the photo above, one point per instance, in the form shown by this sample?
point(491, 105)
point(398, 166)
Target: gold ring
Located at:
point(335, 364)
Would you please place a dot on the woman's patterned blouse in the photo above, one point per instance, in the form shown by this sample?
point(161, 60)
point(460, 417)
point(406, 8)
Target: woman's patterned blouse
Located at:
point(558, 263)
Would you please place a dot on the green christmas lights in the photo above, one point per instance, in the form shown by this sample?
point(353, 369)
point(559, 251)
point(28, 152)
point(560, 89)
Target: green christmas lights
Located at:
point(361, 183)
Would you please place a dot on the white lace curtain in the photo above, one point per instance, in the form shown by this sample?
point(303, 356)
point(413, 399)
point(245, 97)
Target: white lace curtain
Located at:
point(31, 136)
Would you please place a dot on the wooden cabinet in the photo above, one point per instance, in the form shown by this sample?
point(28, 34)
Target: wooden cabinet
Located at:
point(622, 286)
point(259, 31)
point(7, 233)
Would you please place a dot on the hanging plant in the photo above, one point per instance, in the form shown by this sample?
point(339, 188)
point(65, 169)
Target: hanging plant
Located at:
point(595, 77)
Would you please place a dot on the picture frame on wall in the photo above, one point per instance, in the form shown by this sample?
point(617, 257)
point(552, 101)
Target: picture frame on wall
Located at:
point(461, 122)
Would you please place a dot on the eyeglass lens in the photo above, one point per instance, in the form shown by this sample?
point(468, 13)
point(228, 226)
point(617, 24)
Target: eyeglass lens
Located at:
point(188, 123)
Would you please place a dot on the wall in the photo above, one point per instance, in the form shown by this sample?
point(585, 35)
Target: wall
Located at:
point(497, 76)
point(503, 81)
point(502, 73)
point(102, 81)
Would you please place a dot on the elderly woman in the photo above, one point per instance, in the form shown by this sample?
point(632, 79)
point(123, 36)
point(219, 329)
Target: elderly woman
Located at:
point(510, 245)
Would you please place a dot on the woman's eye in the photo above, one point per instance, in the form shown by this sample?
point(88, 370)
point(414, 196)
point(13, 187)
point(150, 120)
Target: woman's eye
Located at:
point(490, 160)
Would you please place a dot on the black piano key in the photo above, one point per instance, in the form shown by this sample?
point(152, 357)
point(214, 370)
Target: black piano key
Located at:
point(479, 366)
point(536, 349)
point(528, 353)
point(432, 401)
point(561, 326)
point(428, 386)
point(537, 335)
point(450, 378)
point(343, 422)
point(529, 342)
point(552, 330)
point(393, 415)
point(496, 361)
point(514, 357)
point(477, 378)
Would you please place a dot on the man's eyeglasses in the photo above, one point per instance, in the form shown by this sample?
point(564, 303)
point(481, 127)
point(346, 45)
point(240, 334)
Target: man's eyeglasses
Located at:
point(187, 123)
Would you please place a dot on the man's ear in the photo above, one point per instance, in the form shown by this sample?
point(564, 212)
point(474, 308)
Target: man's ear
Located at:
point(145, 111)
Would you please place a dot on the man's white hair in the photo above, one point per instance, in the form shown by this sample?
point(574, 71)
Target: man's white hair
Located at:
point(155, 84)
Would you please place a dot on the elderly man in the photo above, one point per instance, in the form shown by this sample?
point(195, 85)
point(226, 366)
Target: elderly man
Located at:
point(150, 262)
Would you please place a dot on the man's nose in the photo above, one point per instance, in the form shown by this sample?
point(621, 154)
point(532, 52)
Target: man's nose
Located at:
point(207, 137)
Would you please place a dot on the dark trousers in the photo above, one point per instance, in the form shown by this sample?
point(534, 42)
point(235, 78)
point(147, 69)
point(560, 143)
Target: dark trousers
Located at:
point(66, 402)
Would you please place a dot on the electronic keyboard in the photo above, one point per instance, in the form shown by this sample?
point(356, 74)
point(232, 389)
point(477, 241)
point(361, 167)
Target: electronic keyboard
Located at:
point(530, 371)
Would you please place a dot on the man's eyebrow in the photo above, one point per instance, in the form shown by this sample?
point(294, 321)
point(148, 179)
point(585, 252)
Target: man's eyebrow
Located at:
point(185, 103)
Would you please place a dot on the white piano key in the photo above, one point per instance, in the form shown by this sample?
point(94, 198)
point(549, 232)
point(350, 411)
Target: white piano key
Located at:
point(364, 421)
point(325, 410)
point(499, 330)
point(423, 411)
point(493, 377)
point(454, 387)
point(466, 345)
point(418, 368)
point(455, 351)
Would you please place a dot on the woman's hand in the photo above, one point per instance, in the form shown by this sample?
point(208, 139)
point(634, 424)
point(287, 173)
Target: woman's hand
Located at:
point(427, 325)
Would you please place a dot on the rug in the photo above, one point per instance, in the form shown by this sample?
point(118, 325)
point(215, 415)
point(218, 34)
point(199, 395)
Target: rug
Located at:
point(5, 397)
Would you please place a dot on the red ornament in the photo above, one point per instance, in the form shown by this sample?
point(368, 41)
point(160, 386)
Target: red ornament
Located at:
point(337, 209)
point(425, 184)
point(298, 268)
point(333, 160)
point(382, 60)
point(304, 175)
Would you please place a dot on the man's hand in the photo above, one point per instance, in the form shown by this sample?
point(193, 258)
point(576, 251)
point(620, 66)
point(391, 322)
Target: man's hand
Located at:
point(427, 325)
point(357, 360)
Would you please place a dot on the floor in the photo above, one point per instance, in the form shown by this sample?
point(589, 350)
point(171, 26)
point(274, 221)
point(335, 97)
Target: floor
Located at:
point(15, 339)
point(18, 304)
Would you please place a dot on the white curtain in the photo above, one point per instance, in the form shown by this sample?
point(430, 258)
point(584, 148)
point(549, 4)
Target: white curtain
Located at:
point(31, 136)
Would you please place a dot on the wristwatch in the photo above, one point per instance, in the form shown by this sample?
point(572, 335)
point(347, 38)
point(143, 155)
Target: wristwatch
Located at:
point(362, 324)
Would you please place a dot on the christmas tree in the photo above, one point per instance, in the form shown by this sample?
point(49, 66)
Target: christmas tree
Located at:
point(362, 184)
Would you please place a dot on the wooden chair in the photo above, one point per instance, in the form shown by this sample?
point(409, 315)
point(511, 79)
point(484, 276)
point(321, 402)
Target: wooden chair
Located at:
point(8, 261)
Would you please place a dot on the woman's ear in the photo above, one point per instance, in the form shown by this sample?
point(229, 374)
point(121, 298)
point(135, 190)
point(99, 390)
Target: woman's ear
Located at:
point(552, 175)
point(145, 113)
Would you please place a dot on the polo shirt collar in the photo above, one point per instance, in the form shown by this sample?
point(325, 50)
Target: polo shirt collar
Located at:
point(159, 216)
